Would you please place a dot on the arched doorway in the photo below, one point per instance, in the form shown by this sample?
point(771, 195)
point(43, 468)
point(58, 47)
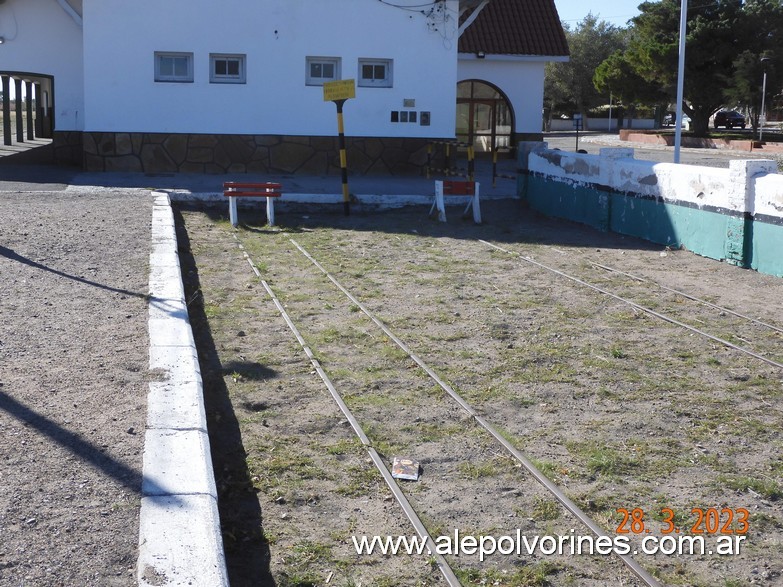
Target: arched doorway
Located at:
point(485, 118)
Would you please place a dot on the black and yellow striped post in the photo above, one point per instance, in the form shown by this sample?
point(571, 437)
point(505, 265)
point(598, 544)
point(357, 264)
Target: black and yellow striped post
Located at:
point(343, 157)
point(338, 92)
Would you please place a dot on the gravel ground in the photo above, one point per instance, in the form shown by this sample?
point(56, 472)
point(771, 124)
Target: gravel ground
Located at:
point(621, 410)
point(73, 384)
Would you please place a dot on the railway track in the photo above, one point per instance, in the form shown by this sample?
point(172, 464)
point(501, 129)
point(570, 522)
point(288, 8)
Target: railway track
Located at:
point(383, 467)
point(517, 364)
point(672, 316)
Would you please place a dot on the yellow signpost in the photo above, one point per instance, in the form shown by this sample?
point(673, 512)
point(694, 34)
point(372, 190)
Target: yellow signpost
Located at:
point(343, 89)
point(338, 92)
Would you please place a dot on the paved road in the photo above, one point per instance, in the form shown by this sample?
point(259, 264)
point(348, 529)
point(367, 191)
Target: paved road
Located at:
point(592, 142)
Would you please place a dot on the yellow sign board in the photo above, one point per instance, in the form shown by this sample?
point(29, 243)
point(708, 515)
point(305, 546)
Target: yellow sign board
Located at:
point(339, 90)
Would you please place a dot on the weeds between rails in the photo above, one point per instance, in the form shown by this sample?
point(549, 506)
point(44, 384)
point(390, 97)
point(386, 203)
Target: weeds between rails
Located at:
point(639, 571)
point(668, 316)
point(604, 461)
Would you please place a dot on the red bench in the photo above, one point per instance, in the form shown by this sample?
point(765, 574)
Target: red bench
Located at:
point(457, 188)
point(232, 190)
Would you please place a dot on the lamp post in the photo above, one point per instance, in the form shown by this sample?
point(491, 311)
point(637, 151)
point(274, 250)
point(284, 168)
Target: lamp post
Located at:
point(763, 117)
point(680, 79)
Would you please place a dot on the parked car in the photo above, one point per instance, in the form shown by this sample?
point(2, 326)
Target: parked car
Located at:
point(729, 119)
point(671, 118)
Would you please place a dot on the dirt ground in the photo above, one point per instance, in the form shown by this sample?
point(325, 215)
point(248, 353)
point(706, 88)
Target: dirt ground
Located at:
point(73, 372)
point(620, 409)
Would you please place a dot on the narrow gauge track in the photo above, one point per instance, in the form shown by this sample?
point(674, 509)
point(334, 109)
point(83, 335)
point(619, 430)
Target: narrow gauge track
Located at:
point(690, 297)
point(426, 259)
point(415, 520)
point(638, 571)
point(520, 314)
point(667, 315)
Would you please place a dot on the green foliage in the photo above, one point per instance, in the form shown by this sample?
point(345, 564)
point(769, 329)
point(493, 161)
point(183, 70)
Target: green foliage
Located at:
point(617, 76)
point(569, 86)
point(725, 42)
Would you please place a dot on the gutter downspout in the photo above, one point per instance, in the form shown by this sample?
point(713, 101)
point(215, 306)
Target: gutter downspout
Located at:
point(71, 12)
point(473, 16)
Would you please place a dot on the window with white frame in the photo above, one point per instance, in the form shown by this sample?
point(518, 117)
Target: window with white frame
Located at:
point(322, 69)
point(226, 69)
point(173, 67)
point(375, 73)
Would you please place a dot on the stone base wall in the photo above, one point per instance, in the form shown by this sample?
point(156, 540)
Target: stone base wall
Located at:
point(219, 154)
point(67, 147)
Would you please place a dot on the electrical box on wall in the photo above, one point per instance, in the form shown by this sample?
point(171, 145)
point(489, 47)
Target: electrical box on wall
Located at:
point(423, 118)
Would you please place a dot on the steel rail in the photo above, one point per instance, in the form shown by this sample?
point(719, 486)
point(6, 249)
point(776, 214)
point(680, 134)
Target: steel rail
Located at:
point(639, 307)
point(410, 513)
point(564, 500)
point(689, 296)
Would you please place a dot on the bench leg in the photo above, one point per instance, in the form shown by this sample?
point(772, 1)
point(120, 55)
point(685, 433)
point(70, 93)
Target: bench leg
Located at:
point(232, 211)
point(470, 203)
point(270, 211)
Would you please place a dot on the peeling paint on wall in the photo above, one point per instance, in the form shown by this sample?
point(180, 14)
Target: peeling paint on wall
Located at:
point(733, 214)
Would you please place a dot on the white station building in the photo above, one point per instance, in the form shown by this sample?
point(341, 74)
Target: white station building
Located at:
point(237, 85)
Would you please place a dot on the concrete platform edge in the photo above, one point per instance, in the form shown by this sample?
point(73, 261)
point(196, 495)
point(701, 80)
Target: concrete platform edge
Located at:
point(180, 542)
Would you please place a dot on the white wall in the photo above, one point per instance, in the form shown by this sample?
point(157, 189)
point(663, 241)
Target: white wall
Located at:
point(746, 186)
point(276, 35)
point(41, 38)
point(522, 80)
point(601, 124)
point(768, 192)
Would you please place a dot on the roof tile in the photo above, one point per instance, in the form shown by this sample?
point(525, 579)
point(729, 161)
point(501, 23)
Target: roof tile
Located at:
point(516, 27)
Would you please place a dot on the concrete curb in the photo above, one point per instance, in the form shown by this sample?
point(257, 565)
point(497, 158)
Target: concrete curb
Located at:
point(179, 528)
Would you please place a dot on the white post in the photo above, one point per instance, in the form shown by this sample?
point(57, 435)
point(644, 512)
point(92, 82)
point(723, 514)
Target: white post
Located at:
point(476, 207)
point(232, 211)
point(610, 112)
point(680, 79)
point(439, 201)
point(763, 95)
point(270, 211)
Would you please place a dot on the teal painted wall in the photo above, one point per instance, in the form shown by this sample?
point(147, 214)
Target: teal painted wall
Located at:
point(700, 231)
point(767, 248)
point(579, 203)
point(751, 243)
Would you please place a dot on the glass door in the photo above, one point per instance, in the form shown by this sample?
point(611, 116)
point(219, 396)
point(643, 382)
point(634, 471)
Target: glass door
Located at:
point(484, 117)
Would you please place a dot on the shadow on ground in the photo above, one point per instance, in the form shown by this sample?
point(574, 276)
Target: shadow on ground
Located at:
point(505, 221)
point(241, 520)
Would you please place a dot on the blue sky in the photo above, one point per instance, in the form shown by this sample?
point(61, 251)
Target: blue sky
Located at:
point(617, 12)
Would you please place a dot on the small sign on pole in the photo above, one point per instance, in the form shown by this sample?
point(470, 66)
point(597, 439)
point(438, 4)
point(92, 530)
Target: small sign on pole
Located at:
point(338, 92)
point(577, 126)
point(343, 89)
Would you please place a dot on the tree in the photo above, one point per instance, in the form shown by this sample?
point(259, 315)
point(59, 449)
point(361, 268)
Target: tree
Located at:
point(761, 31)
point(719, 35)
point(618, 77)
point(569, 86)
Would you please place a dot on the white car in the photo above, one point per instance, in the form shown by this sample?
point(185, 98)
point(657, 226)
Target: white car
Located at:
point(671, 117)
